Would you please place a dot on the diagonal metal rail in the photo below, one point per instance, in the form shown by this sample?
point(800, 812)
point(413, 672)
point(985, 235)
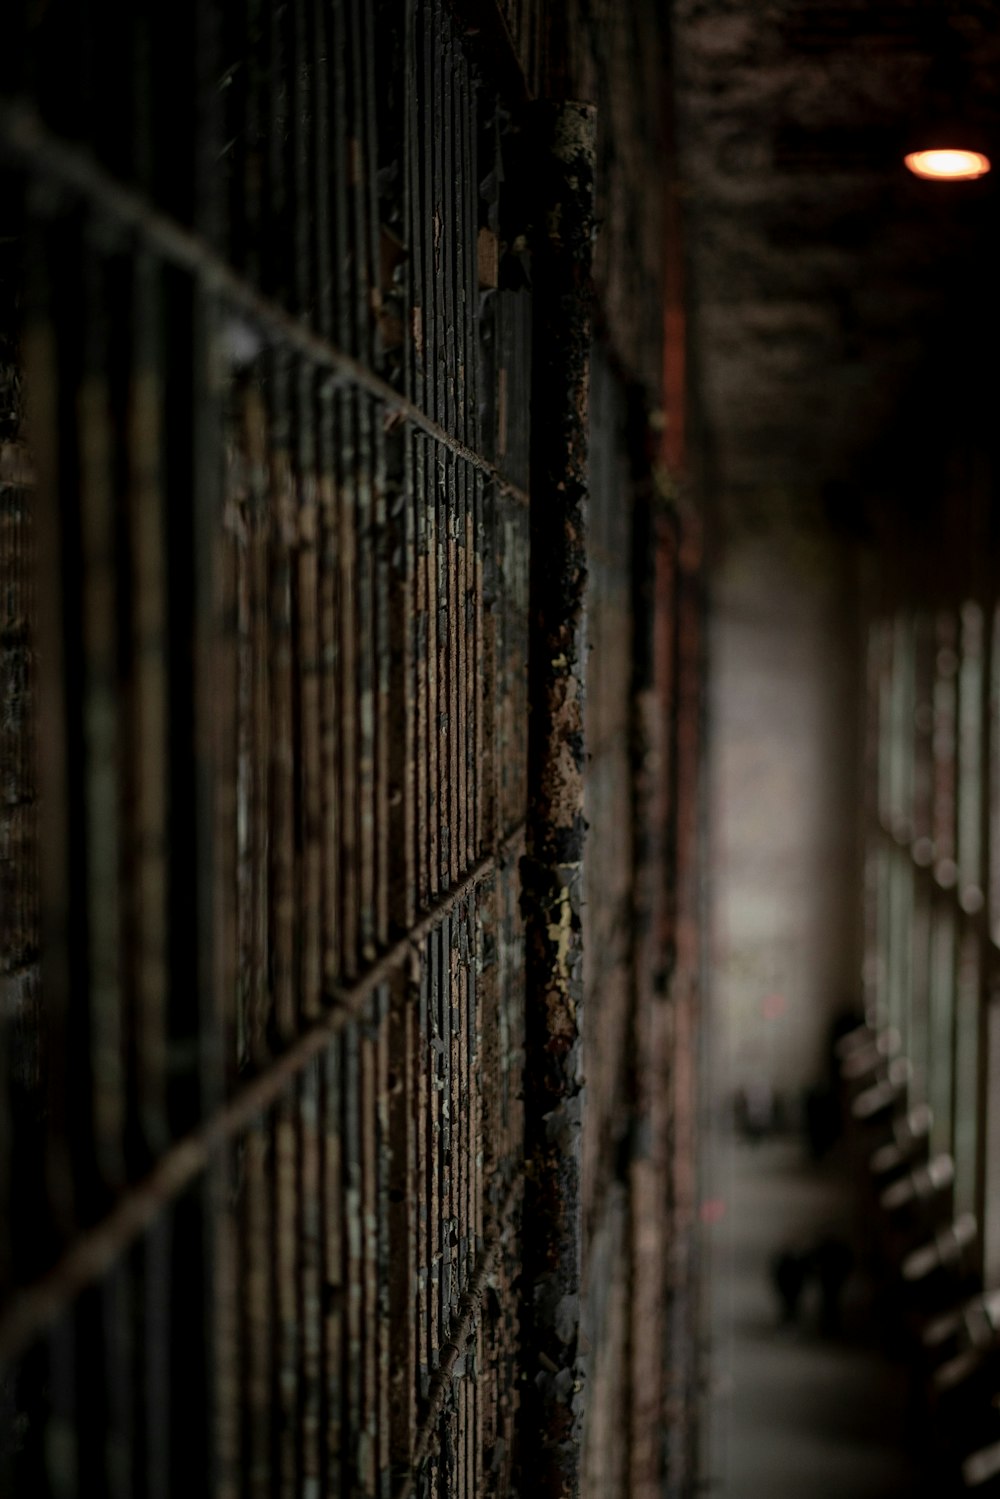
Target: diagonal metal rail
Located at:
point(34, 1307)
point(26, 140)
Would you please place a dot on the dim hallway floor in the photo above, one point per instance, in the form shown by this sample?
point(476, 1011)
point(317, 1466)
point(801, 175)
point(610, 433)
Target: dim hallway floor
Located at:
point(791, 1411)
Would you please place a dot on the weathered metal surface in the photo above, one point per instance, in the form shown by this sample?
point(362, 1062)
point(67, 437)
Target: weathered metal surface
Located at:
point(287, 342)
point(552, 872)
point(317, 792)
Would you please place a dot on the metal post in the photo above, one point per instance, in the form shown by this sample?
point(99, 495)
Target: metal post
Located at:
point(552, 867)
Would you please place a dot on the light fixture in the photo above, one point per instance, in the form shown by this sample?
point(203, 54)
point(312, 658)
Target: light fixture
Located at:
point(948, 164)
point(947, 143)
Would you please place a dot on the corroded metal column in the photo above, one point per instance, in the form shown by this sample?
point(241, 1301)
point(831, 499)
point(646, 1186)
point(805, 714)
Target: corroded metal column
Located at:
point(552, 868)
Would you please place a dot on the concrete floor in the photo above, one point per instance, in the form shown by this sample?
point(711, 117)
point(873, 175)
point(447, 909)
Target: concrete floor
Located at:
point(792, 1411)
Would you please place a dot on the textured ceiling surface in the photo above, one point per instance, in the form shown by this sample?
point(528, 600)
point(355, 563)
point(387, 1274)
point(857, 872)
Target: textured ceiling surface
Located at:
point(828, 285)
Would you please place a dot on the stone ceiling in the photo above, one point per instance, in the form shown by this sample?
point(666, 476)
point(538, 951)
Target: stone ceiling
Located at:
point(827, 285)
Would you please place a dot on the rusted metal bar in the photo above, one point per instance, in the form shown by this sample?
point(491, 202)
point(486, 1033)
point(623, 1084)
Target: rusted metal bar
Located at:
point(227, 1338)
point(257, 1309)
point(284, 1262)
point(434, 82)
point(282, 530)
point(468, 635)
point(309, 805)
point(456, 1338)
point(333, 1328)
point(386, 682)
point(309, 1310)
point(257, 747)
point(333, 660)
point(329, 646)
point(40, 1165)
point(301, 755)
point(425, 745)
point(100, 722)
point(405, 1198)
point(436, 816)
point(364, 685)
point(26, 139)
point(552, 867)
point(34, 1306)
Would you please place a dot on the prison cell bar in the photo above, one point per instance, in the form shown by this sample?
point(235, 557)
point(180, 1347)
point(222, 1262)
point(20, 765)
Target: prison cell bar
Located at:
point(39, 1303)
point(553, 863)
point(24, 138)
point(282, 416)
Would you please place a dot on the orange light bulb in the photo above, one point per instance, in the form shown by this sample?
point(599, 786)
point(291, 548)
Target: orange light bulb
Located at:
point(948, 164)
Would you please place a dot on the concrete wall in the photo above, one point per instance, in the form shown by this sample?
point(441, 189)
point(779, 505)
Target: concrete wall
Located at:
point(784, 813)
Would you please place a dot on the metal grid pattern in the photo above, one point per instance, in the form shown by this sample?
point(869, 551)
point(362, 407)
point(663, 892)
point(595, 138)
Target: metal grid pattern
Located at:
point(931, 897)
point(268, 1166)
point(266, 1129)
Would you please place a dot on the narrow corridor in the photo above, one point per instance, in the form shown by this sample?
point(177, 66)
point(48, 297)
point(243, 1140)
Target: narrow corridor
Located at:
point(793, 1411)
point(499, 659)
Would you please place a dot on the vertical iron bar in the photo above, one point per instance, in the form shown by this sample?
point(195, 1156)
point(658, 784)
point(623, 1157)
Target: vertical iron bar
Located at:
point(118, 1339)
point(551, 870)
point(367, 670)
point(414, 163)
point(154, 1416)
point(450, 62)
point(60, 1455)
point(404, 1209)
point(434, 1063)
point(452, 481)
point(331, 660)
point(259, 547)
point(429, 220)
point(352, 1247)
point(335, 1289)
point(366, 1435)
point(435, 809)
point(257, 1274)
point(447, 1162)
point(150, 777)
point(347, 495)
point(322, 1206)
point(45, 1185)
point(361, 167)
point(467, 196)
point(422, 741)
point(284, 528)
point(285, 1391)
point(274, 206)
point(387, 579)
point(318, 43)
point(339, 136)
point(384, 1330)
point(422, 1091)
point(309, 798)
point(228, 1332)
point(101, 729)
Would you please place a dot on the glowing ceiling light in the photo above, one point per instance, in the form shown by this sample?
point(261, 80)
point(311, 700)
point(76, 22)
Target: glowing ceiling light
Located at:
point(948, 164)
